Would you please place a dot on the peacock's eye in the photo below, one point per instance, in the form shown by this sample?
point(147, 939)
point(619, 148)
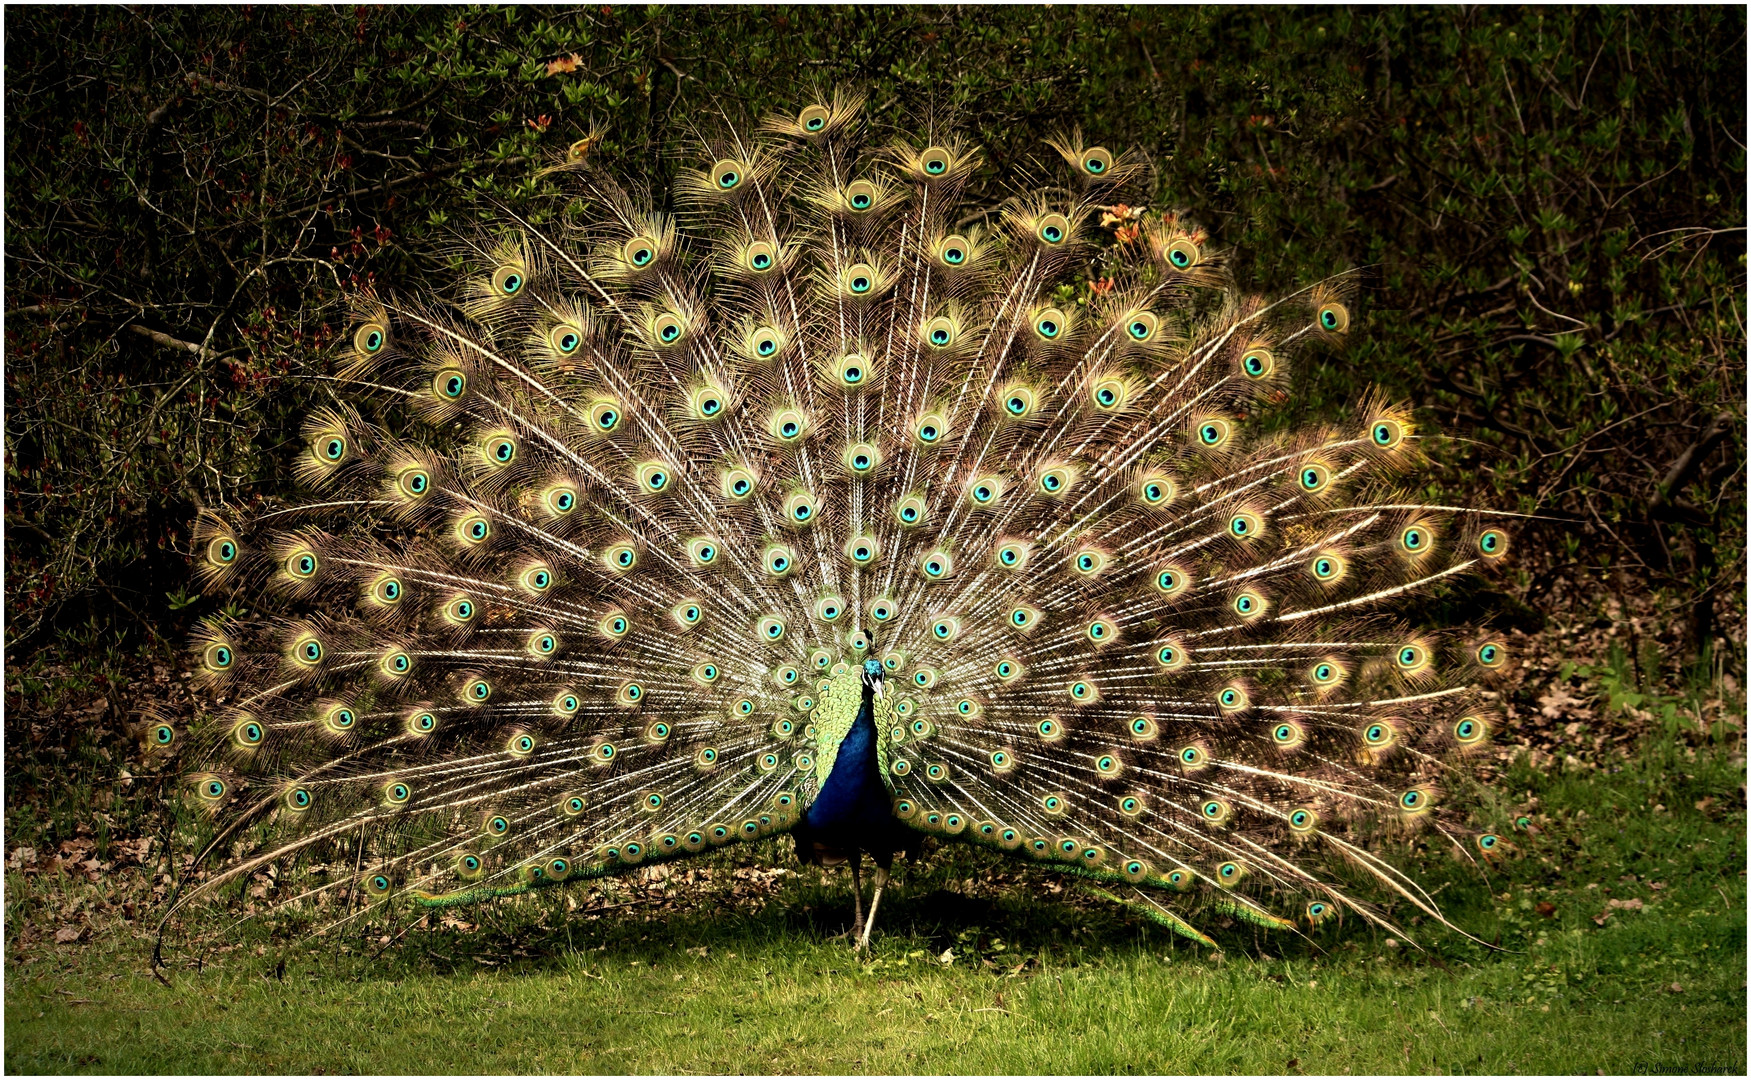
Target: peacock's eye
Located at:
point(370, 338)
point(308, 650)
point(640, 251)
point(507, 281)
point(450, 384)
point(565, 339)
point(726, 175)
point(1213, 433)
point(1334, 317)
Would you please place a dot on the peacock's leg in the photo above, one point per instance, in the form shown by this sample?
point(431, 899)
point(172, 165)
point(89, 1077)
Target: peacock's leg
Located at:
point(857, 893)
point(881, 879)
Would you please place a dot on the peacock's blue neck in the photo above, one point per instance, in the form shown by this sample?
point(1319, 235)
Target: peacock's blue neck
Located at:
point(853, 794)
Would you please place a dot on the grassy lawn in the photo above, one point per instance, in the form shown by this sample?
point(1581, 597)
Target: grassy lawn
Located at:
point(1620, 916)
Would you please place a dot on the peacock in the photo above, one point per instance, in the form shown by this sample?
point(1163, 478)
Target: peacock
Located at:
point(827, 501)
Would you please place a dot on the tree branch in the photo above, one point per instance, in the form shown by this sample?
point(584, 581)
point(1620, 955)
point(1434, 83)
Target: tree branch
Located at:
point(165, 339)
point(1664, 503)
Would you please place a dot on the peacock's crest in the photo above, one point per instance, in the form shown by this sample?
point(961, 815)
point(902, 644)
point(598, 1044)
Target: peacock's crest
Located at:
point(603, 557)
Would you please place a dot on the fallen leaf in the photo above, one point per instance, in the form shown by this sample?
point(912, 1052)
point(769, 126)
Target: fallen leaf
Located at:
point(1553, 704)
point(67, 935)
point(1545, 908)
point(1624, 905)
point(1676, 989)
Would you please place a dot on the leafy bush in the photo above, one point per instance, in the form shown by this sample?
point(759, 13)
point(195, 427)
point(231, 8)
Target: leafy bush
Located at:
point(1548, 205)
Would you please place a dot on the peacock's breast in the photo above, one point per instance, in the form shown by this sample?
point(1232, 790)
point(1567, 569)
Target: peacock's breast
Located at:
point(849, 736)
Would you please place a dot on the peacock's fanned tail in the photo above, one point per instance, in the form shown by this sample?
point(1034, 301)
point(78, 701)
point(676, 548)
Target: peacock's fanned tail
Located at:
point(589, 545)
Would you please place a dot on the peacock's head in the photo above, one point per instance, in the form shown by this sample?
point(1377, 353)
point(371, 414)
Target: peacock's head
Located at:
point(872, 675)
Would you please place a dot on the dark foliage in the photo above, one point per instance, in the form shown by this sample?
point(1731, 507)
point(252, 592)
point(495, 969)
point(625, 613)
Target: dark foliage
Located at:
point(1550, 202)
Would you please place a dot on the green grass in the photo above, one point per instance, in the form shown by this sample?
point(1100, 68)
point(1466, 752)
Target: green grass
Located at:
point(1039, 981)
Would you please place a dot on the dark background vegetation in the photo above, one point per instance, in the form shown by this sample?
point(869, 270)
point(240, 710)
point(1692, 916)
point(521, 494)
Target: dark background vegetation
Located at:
point(1549, 204)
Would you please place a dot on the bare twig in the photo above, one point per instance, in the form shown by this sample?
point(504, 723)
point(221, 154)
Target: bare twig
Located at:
point(165, 339)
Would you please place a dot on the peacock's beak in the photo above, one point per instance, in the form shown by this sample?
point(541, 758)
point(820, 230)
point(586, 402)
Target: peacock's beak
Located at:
point(876, 683)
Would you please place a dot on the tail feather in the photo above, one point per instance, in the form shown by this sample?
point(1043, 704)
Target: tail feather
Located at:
point(667, 476)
